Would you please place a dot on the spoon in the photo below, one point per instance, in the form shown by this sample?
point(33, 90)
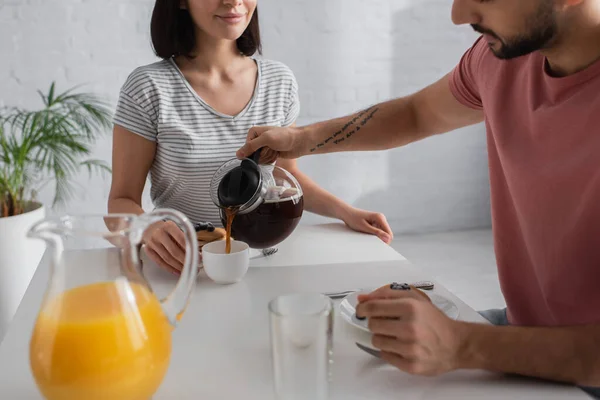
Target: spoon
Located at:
point(423, 285)
point(366, 349)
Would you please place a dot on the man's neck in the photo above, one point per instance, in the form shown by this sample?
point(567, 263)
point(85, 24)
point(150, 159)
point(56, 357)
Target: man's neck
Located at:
point(578, 46)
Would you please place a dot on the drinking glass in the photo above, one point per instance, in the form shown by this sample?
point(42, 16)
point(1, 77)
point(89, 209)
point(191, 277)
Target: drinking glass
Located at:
point(301, 345)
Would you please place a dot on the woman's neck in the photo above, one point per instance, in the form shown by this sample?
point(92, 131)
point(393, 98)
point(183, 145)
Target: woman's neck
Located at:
point(215, 56)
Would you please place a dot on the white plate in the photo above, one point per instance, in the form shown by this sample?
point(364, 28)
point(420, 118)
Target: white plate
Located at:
point(348, 309)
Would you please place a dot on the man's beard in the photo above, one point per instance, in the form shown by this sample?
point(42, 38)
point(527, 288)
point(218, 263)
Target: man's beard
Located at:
point(542, 33)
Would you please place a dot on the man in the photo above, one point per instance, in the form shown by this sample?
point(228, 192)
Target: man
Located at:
point(534, 78)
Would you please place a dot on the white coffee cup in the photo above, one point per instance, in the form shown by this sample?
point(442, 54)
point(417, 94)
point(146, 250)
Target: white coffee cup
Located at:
point(226, 268)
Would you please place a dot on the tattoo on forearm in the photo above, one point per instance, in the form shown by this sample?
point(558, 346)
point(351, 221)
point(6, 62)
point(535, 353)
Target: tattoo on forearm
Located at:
point(357, 123)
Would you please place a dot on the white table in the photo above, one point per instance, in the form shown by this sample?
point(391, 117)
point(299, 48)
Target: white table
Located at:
point(222, 351)
point(328, 244)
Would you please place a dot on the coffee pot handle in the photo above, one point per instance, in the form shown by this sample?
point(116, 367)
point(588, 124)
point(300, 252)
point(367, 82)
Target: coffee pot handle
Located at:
point(256, 156)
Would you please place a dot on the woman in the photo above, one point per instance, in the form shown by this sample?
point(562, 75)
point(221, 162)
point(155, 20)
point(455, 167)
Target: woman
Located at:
point(180, 118)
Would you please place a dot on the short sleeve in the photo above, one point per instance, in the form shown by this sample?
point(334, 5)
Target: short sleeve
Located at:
point(132, 111)
point(292, 109)
point(465, 78)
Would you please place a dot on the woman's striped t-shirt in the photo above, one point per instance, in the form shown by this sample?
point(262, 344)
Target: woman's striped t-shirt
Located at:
point(192, 139)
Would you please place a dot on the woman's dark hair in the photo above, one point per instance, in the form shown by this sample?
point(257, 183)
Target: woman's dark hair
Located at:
point(173, 33)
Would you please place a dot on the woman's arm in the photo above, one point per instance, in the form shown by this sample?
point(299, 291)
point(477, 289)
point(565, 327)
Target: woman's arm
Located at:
point(132, 158)
point(316, 199)
point(321, 202)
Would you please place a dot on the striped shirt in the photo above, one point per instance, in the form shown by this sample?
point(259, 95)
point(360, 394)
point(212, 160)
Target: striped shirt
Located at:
point(192, 139)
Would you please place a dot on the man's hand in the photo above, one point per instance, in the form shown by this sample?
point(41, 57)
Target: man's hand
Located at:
point(411, 332)
point(275, 142)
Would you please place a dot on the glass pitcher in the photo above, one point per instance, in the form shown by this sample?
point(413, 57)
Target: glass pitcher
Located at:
point(101, 332)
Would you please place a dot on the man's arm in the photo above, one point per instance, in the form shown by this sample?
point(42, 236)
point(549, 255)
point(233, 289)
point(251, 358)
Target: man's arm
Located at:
point(567, 354)
point(395, 123)
point(418, 338)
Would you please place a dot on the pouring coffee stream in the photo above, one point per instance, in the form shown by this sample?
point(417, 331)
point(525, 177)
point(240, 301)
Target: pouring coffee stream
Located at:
point(237, 188)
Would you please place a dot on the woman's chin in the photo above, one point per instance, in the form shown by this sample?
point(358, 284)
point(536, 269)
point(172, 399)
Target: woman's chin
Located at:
point(231, 33)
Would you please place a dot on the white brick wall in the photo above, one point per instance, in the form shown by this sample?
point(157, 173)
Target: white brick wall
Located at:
point(346, 55)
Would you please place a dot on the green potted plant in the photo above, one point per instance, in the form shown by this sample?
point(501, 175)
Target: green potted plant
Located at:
point(46, 146)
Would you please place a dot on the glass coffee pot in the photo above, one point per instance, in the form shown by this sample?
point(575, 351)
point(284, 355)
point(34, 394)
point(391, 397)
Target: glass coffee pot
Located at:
point(264, 201)
point(101, 332)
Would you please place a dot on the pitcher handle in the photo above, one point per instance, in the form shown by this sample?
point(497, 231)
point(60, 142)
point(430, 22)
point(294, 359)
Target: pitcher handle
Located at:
point(175, 304)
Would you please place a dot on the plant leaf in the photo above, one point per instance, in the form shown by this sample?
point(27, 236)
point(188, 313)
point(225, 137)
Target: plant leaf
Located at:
point(99, 166)
point(50, 143)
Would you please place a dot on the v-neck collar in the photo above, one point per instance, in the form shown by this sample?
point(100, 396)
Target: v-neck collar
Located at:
point(208, 106)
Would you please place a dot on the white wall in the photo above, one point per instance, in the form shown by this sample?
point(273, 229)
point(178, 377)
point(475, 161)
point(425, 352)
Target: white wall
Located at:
point(346, 54)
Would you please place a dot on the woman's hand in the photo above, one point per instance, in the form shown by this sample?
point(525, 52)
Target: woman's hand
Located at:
point(165, 245)
point(369, 222)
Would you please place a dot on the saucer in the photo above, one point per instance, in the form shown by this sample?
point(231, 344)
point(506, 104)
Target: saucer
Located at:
point(254, 253)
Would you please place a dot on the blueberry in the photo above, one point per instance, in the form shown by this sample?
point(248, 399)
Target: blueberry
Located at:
point(399, 286)
point(204, 226)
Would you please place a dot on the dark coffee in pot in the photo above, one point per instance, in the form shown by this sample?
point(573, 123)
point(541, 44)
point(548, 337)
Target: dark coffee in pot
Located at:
point(268, 224)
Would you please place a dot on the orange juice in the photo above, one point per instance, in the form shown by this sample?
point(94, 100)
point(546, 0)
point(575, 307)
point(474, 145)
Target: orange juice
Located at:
point(102, 341)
